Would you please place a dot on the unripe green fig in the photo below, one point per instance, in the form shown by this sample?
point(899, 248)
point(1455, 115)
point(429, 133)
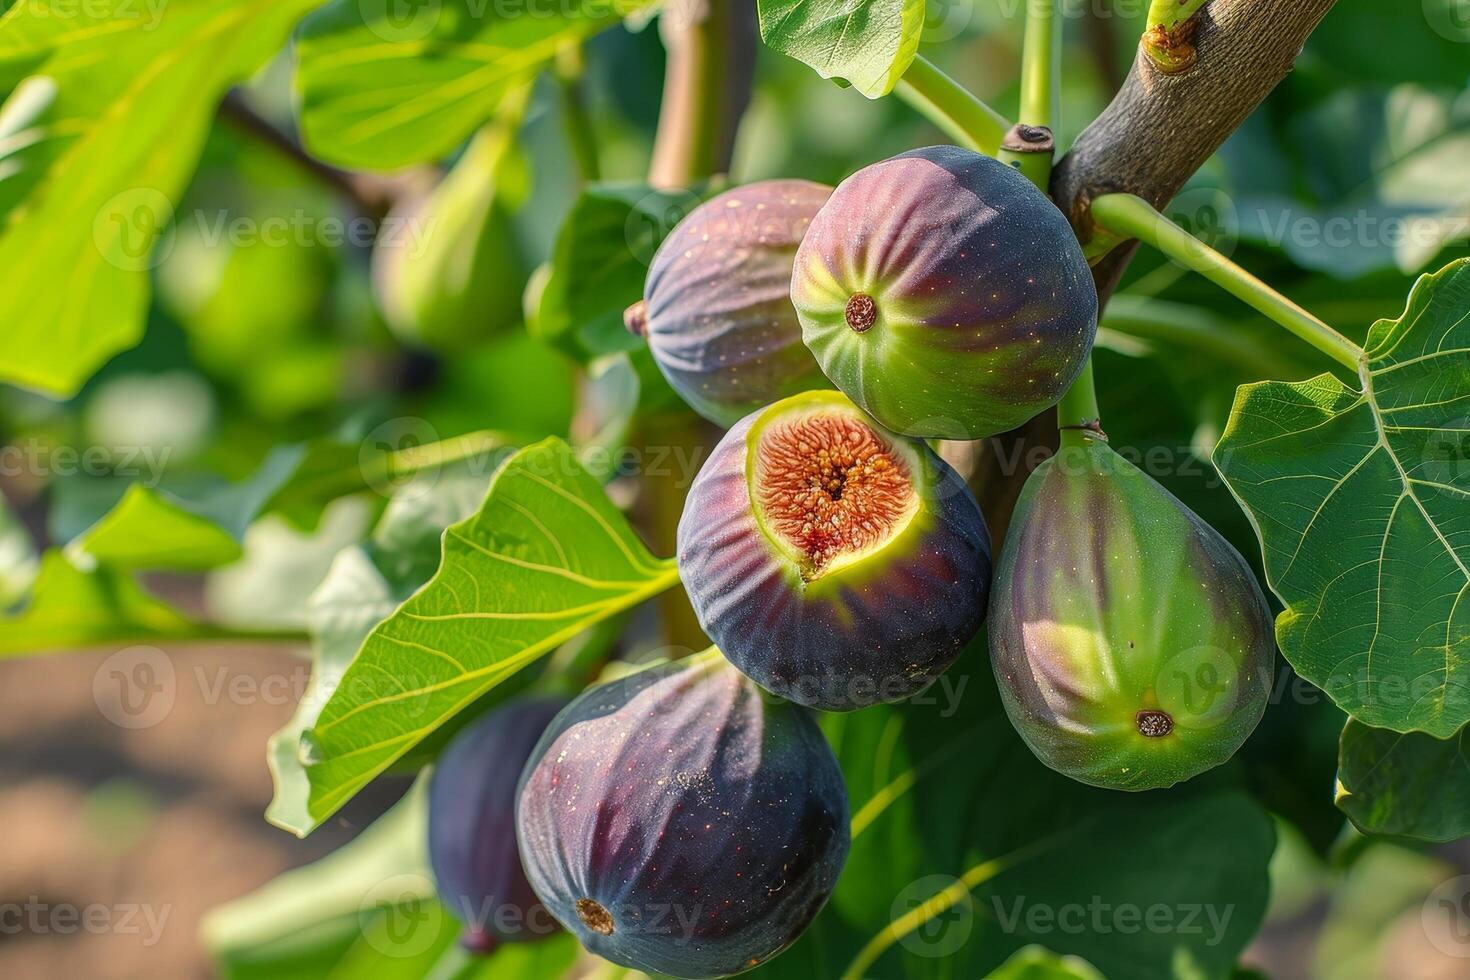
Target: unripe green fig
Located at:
point(945, 294)
point(1131, 643)
point(716, 307)
point(446, 268)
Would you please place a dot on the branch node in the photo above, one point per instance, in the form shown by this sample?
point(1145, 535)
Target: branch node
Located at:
point(1171, 50)
point(1029, 139)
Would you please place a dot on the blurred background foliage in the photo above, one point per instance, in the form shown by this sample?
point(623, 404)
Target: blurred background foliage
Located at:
point(256, 340)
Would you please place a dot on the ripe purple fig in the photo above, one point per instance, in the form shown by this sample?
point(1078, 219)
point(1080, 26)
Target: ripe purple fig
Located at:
point(472, 843)
point(945, 294)
point(835, 563)
point(1131, 643)
point(679, 822)
point(716, 307)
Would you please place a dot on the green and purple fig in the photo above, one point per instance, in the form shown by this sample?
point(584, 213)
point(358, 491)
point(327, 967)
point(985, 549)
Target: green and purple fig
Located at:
point(837, 564)
point(472, 840)
point(1131, 643)
point(945, 294)
point(716, 307)
point(679, 822)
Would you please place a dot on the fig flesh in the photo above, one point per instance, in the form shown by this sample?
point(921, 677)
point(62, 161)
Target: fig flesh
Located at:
point(1131, 643)
point(716, 307)
point(835, 563)
point(945, 294)
point(472, 844)
point(679, 822)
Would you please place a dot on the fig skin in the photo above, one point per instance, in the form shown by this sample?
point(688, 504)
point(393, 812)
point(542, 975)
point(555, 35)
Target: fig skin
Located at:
point(945, 294)
point(1131, 643)
point(679, 822)
point(716, 307)
point(472, 846)
point(874, 627)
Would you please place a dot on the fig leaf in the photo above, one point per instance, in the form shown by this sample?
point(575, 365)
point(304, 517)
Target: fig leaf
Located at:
point(1359, 499)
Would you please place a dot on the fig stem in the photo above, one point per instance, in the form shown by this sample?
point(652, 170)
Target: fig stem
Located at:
point(1077, 414)
point(1168, 36)
point(1040, 75)
point(952, 107)
point(1133, 217)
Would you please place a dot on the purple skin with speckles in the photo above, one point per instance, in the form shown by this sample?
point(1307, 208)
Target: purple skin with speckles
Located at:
point(472, 846)
point(945, 294)
point(717, 303)
point(679, 822)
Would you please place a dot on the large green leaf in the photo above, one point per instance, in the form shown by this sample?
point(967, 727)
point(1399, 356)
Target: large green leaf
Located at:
point(546, 556)
point(1360, 502)
point(380, 90)
point(1036, 963)
point(1406, 785)
point(115, 105)
point(868, 43)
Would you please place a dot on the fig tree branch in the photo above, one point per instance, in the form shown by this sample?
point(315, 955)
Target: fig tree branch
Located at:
point(1161, 127)
point(1130, 216)
point(707, 79)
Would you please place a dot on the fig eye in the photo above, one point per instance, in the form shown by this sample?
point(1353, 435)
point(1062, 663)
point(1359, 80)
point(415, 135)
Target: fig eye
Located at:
point(829, 485)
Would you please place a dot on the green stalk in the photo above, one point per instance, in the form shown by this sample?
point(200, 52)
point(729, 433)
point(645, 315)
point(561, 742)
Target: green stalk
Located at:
point(1169, 14)
point(1040, 77)
point(950, 106)
point(1168, 37)
point(1077, 413)
point(1133, 217)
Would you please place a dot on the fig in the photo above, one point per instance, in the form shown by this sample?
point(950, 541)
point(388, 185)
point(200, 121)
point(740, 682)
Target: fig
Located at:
point(837, 564)
point(716, 307)
point(945, 294)
point(446, 268)
point(1131, 643)
point(679, 822)
point(472, 843)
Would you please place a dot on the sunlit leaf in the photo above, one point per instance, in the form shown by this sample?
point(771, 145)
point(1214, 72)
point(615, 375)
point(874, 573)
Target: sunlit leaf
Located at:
point(1405, 785)
point(868, 43)
point(1362, 503)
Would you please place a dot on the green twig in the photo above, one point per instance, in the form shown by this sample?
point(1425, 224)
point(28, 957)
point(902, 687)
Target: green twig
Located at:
point(950, 106)
point(1168, 37)
point(1041, 70)
point(1132, 217)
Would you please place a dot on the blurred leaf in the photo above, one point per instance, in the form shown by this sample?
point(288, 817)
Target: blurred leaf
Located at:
point(868, 43)
point(113, 131)
point(446, 267)
point(1359, 501)
point(1383, 169)
point(525, 386)
point(546, 557)
point(599, 264)
point(365, 912)
point(1405, 785)
point(1377, 910)
point(1036, 963)
point(70, 607)
point(1369, 39)
point(380, 91)
point(19, 563)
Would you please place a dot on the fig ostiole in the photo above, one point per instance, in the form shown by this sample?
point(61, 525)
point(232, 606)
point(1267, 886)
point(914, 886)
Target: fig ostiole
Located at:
point(945, 294)
point(716, 308)
point(678, 821)
point(835, 563)
point(472, 844)
point(1131, 643)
